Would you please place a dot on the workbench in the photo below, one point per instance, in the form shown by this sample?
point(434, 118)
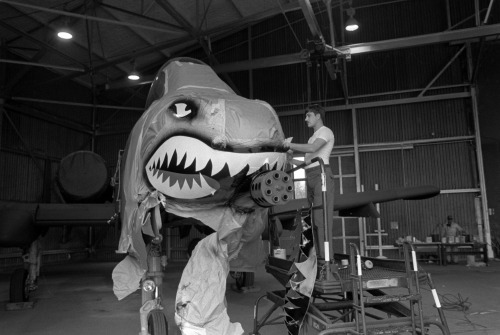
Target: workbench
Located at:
point(442, 250)
point(424, 247)
point(468, 248)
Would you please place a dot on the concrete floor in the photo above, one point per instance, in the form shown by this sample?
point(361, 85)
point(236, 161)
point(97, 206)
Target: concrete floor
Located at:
point(77, 299)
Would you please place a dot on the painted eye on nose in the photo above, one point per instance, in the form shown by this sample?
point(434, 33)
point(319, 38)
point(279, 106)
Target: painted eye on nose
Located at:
point(183, 109)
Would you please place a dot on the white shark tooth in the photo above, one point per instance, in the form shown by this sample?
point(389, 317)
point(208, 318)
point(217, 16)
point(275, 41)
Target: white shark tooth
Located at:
point(181, 152)
point(280, 165)
point(189, 160)
point(275, 163)
point(235, 162)
point(197, 190)
point(197, 179)
point(217, 164)
point(159, 158)
point(252, 169)
point(202, 161)
point(169, 152)
point(266, 161)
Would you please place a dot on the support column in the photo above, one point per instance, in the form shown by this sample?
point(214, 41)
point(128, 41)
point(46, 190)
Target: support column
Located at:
point(479, 158)
point(3, 84)
point(250, 71)
point(361, 221)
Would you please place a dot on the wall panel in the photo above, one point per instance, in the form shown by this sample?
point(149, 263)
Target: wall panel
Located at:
point(429, 120)
point(21, 179)
point(448, 166)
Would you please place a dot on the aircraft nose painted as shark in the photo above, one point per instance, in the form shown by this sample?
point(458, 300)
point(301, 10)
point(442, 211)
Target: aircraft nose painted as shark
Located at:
point(198, 140)
point(186, 168)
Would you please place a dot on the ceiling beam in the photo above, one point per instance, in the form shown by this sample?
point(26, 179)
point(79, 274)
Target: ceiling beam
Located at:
point(42, 44)
point(205, 12)
point(48, 117)
point(360, 48)
point(215, 33)
point(35, 63)
point(76, 104)
point(168, 24)
point(92, 18)
point(231, 2)
point(127, 57)
point(141, 35)
point(196, 36)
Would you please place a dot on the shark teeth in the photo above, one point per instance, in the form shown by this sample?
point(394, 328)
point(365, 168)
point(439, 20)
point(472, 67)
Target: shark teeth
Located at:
point(188, 157)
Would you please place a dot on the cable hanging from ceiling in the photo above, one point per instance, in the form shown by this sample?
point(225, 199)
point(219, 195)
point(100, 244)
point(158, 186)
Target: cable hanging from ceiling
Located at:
point(289, 24)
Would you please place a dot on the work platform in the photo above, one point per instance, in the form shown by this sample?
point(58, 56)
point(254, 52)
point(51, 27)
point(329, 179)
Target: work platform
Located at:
point(384, 299)
point(345, 294)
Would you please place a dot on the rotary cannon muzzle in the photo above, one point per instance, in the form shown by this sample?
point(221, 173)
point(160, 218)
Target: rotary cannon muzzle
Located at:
point(271, 188)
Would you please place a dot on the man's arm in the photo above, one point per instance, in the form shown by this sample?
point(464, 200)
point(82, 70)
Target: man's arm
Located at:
point(296, 162)
point(459, 228)
point(307, 148)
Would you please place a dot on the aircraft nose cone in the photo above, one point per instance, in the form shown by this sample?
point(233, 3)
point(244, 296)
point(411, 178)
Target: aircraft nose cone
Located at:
point(253, 121)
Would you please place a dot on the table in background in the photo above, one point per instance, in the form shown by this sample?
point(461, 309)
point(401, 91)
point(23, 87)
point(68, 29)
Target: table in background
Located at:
point(469, 248)
point(427, 247)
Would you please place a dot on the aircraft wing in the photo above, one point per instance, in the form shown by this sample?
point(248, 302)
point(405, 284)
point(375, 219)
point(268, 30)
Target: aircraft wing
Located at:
point(362, 204)
point(22, 223)
point(359, 204)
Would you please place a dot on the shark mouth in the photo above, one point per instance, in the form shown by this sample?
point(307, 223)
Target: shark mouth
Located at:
point(186, 168)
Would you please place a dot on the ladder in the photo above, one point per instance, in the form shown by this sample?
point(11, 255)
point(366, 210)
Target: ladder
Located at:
point(414, 324)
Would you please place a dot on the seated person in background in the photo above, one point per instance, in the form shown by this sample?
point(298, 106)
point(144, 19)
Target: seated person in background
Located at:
point(451, 229)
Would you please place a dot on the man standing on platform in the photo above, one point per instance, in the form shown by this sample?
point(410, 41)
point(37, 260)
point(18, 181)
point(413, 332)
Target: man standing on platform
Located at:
point(320, 144)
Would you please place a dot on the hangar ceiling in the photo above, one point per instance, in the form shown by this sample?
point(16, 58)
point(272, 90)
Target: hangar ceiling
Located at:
point(111, 34)
point(114, 36)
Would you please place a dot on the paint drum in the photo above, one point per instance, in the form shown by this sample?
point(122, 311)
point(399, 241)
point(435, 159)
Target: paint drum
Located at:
point(83, 178)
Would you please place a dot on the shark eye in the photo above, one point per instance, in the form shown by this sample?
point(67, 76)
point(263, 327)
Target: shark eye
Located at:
point(183, 109)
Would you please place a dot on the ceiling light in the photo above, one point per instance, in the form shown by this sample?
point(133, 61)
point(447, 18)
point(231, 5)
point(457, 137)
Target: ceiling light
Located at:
point(351, 23)
point(134, 75)
point(65, 32)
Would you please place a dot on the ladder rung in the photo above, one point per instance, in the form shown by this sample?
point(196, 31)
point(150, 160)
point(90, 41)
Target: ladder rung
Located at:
point(392, 298)
point(392, 330)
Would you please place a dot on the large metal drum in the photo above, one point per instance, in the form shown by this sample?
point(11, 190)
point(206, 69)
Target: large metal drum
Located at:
point(83, 177)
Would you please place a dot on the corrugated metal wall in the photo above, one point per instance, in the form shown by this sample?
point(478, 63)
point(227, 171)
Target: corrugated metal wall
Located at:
point(407, 122)
point(340, 122)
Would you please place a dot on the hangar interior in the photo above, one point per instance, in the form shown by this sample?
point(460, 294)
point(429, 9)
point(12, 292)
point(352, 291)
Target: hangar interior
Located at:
point(411, 96)
point(412, 103)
